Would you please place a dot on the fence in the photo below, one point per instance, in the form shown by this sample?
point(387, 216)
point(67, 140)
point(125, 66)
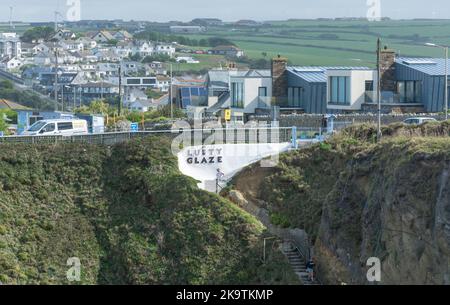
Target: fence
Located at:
point(192, 136)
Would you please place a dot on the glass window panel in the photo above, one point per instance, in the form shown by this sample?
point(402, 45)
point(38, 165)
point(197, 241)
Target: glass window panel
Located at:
point(410, 91)
point(342, 87)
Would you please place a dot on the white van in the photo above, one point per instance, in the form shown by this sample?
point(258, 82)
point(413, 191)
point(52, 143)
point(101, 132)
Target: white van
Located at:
point(57, 127)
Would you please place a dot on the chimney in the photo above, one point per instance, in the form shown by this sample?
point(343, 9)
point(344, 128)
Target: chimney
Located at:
point(279, 78)
point(387, 67)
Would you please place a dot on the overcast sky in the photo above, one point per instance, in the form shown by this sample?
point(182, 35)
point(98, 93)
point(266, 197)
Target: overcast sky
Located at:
point(228, 10)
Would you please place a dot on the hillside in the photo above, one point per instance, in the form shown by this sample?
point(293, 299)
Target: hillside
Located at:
point(334, 42)
point(128, 215)
point(358, 199)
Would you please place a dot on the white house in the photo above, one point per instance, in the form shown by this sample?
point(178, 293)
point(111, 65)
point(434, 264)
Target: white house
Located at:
point(123, 49)
point(10, 45)
point(11, 64)
point(88, 43)
point(141, 105)
point(249, 91)
point(72, 45)
point(163, 83)
point(142, 48)
point(346, 88)
point(165, 49)
point(187, 59)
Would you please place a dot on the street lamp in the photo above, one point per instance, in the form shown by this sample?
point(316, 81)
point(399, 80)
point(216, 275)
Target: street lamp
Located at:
point(433, 45)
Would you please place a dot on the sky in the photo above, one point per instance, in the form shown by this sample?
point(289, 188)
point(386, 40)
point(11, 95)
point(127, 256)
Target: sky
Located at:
point(229, 10)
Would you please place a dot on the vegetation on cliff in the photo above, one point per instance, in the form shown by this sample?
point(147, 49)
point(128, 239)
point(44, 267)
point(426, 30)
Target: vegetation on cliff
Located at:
point(128, 214)
point(358, 199)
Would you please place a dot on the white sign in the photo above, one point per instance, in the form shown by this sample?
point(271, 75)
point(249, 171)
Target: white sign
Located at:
point(202, 162)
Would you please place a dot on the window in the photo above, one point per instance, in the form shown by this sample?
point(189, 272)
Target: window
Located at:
point(65, 126)
point(340, 90)
point(237, 95)
point(409, 91)
point(262, 91)
point(369, 85)
point(295, 96)
point(49, 128)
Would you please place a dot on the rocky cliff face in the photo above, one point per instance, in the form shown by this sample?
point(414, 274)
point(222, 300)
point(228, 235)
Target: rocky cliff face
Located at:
point(392, 203)
point(360, 200)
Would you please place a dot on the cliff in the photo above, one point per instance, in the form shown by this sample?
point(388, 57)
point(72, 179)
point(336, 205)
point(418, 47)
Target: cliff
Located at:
point(358, 199)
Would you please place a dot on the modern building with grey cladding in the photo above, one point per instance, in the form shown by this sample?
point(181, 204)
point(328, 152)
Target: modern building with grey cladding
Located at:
point(421, 80)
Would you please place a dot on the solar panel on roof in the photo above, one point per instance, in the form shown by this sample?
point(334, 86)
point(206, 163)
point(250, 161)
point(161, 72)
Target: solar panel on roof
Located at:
point(420, 62)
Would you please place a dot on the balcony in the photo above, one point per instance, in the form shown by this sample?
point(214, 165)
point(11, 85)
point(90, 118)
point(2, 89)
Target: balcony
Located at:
point(387, 97)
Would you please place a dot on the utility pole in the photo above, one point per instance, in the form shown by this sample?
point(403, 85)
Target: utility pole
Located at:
point(446, 84)
point(120, 90)
point(171, 92)
point(379, 135)
point(56, 78)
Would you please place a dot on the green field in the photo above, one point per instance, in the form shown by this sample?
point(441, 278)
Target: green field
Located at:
point(312, 42)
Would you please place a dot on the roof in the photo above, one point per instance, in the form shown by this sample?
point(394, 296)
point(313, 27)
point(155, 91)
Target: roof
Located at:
point(98, 85)
point(313, 74)
point(5, 104)
point(430, 66)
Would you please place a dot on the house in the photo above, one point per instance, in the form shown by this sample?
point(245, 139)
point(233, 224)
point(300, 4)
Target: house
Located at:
point(106, 70)
point(141, 105)
point(187, 59)
point(64, 35)
point(103, 37)
point(10, 64)
point(123, 36)
point(142, 48)
point(133, 94)
point(227, 51)
point(107, 56)
point(165, 50)
point(88, 43)
point(123, 49)
point(163, 83)
point(28, 49)
point(97, 90)
point(410, 85)
point(10, 45)
point(418, 82)
point(72, 45)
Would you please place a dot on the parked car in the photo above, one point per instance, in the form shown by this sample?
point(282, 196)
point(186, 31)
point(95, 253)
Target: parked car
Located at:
point(418, 120)
point(57, 127)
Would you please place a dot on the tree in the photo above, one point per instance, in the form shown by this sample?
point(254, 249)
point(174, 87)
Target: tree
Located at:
point(36, 33)
point(3, 125)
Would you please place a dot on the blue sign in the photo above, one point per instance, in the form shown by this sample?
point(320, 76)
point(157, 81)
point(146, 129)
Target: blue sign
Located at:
point(134, 127)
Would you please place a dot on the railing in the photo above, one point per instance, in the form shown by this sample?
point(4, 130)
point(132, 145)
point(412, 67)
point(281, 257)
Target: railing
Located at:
point(305, 254)
point(193, 136)
point(387, 97)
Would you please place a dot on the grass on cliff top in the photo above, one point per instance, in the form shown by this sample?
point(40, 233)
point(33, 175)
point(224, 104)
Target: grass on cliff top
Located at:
point(128, 214)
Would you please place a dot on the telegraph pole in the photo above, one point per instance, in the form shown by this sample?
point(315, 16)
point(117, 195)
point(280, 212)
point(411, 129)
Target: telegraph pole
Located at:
point(56, 79)
point(379, 135)
point(120, 90)
point(171, 92)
